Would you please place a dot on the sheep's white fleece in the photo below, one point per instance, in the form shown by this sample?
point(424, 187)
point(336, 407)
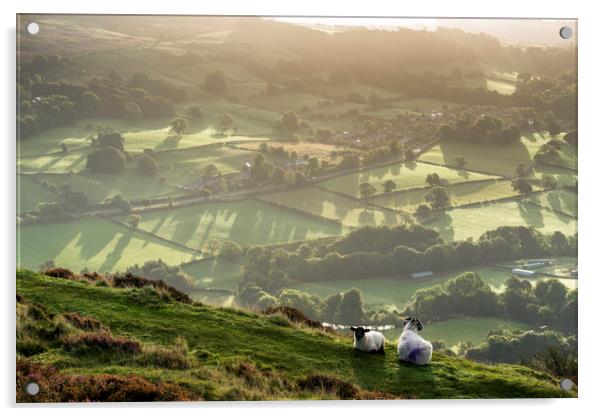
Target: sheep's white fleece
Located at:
point(371, 342)
point(413, 348)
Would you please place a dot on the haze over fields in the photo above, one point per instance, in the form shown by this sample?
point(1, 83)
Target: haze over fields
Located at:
point(358, 171)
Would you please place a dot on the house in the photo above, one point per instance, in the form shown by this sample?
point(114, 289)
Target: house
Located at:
point(420, 275)
point(523, 272)
point(536, 265)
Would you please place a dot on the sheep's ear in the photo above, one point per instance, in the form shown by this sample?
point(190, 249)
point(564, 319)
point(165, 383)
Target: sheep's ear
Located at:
point(353, 328)
point(367, 330)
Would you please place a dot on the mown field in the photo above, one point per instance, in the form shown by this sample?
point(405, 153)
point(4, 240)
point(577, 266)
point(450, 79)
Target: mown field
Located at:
point(247, 222)
point(463, 223)
point(349, 212)
point(494, 159)
point(95, 244)
point(459, 194)
point(405, 175)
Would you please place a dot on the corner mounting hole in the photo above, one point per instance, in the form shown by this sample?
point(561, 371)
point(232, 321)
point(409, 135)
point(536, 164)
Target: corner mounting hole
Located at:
point(566, 384)
point(566, 32)
point(33, 28)
point(32, 389)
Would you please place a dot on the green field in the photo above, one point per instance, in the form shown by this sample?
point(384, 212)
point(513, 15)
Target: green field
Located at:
point(424, 105)
point(460, 194)
point(491, 158)
point(501, 86)
point(457, 330)
point(30, 193)
point(396, 290)
point(218, 338)
point(96, 244)
point(326, 204)
point(247, 222)
point(562, 200)
point(405, 175)
point(98, 187)
point(463, 223)
point(214, 274)
point(74, 161)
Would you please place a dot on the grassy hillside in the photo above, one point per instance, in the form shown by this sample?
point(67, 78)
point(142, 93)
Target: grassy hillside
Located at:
point(184, 351)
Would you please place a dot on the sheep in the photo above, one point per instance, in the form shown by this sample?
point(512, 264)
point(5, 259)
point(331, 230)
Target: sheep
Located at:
point(366, 340)
point(412, 347)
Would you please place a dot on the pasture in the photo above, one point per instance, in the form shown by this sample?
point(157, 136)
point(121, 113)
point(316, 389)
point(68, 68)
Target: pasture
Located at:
point(457, 330)
point(31, 193)
point(396, 291)
point(316, 201)
point(93, 243)
point(561, 200)
point(405, 175)
point(214, 274)
point(490, 158)
point(463, 223)
point(247, 222)
point(459, 194)
point(98, 187)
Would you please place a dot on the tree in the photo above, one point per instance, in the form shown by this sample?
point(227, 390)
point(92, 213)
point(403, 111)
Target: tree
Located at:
point(289, 123)
point(90, 102)
point(279, 175)
point(178, 126)
point(437, 197)
point(106, 160)
point(132, 111)
point(211, 170)
point(522, 186)
point(134, 220)
point(461, 162)
point(111, 139)
point(216, 82)
point(147, 165)
point(433, 179)
point(230, 250)
point(194, 112)
point(366, 190)
point(521, 170)
point(423, 211)
point(352, 307)
point(225, 122)
point(548, 182)
point(389, 186)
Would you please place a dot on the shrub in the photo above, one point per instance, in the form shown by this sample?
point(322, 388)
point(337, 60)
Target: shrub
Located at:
point(100, 342)
point(61, 273)
point(128, 281)
point(83, 322)
point(293, 315)
point(320, 383)
point(57, 387)
point(106, 160)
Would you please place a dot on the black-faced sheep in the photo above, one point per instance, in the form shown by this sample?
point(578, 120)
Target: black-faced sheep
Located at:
point(412, 347)
point(366, 340)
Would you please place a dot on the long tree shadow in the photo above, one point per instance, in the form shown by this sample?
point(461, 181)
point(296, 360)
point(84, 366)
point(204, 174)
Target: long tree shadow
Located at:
point(114, 256)
point(531, 214)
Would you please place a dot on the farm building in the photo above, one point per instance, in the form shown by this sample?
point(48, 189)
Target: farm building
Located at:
point(574, 273)
point(523, 272)
point(295, 163)
point(536, 265)
point(420, 275)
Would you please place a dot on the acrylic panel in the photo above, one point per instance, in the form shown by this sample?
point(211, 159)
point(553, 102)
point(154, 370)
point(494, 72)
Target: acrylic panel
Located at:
point(245, 208)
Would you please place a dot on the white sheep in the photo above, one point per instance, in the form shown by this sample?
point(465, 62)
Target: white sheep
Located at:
point(366, 340)
point(412, 347)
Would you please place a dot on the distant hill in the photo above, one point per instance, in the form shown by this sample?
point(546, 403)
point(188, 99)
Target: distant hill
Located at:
point(141, 344)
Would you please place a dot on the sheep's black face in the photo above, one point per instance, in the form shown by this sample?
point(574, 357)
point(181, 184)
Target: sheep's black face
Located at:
point(359, 332)
point(414, 323)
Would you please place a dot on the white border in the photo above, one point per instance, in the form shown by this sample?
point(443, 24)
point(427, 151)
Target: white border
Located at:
point(590, 149)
